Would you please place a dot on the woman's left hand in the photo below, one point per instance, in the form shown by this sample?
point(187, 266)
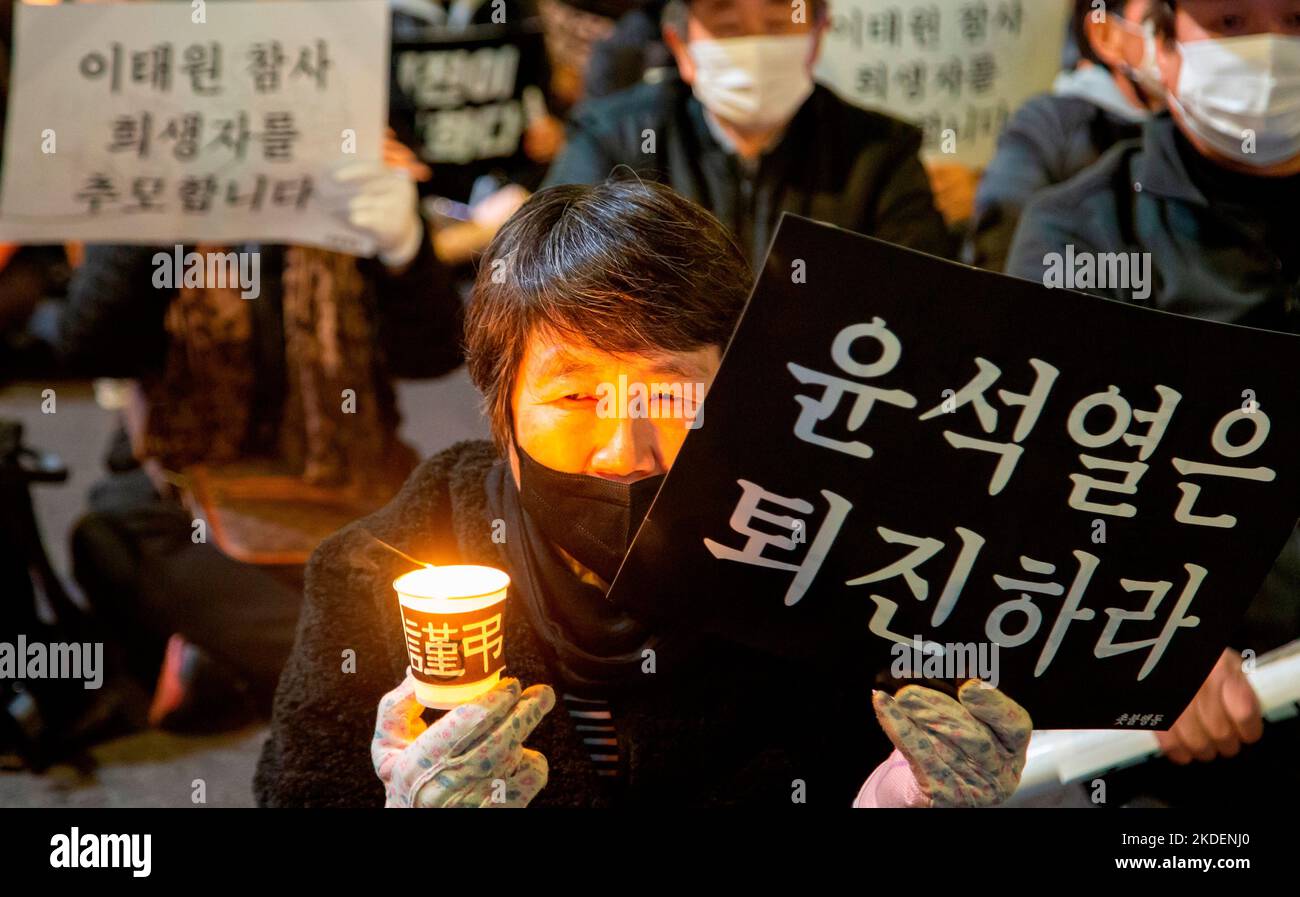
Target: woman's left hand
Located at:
point(964, 753)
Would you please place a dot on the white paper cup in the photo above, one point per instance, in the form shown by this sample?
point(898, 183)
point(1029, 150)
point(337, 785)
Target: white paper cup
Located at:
point(452, 622)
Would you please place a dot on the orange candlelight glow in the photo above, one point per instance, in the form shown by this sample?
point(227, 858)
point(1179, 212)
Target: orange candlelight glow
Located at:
point(452, 620)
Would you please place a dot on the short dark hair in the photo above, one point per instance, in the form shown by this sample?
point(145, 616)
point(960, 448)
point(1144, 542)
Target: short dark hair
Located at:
point(624, 266)
point(1082, 10)
point(675, 13)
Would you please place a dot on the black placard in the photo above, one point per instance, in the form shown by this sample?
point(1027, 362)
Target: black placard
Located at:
point(911, 334)
point(457, 100)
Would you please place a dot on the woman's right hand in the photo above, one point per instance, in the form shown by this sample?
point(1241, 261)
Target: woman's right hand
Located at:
point(473, 756)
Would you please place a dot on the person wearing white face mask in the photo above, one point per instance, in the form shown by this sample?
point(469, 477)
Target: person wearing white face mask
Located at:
point(1209, 196)
point(750, 85)
point(1211, 186)
point(1051, 138)
point(747, 132)
point(1238, 100)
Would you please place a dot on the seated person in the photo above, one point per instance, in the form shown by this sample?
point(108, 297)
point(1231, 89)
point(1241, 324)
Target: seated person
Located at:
point(745, 132)
point(1209, 190)
point(220, 380)
point(599, 283)
point(1056, 135)
point(32, 280)
point(1206, 200)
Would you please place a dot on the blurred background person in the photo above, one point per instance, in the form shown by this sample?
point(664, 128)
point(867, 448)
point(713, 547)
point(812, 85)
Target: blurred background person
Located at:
point(746, 132)
point(216, 381)
point(1113, 88)
point(29, 275)
point(573, 29)
point(1208, 196)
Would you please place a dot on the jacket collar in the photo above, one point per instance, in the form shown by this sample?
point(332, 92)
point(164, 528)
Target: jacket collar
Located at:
point(1160, 169)
point(725, 143)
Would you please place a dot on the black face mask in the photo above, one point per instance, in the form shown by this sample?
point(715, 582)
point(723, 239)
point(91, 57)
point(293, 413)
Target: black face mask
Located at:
point(593, 519)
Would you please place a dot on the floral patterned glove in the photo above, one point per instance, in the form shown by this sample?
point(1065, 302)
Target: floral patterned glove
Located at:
point(963, 753)
point(473, 756)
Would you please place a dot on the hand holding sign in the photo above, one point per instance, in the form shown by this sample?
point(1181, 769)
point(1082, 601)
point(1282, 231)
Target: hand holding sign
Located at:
point(1224, 715)
point(385, 206)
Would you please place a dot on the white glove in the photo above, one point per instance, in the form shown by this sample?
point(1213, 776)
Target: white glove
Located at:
point(386, 204)
point(473, 756)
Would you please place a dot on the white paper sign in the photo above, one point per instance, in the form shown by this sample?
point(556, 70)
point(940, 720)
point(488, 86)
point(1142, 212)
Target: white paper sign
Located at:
point(131, 123)
point(956, 66)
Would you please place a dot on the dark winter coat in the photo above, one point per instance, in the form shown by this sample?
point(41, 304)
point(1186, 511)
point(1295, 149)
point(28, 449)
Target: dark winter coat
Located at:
point(836, 163)
point(731, 728)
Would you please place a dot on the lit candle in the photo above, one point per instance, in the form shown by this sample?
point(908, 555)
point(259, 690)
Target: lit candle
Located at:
point(452, 621)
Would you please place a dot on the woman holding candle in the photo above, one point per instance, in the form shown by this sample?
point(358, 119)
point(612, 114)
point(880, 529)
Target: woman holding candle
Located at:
point(583, 286)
